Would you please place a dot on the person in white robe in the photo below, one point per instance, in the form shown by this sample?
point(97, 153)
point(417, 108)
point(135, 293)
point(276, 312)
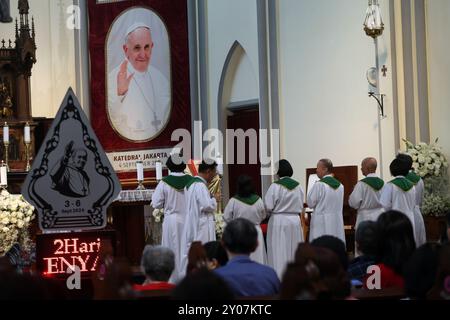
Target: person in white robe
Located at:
point(139, 95)
point(285, 203)
point(420, 232)
point(246, 204)
point(367, 193)
point(201, 205)
point(170, 196)
point(399, 194)
point(327, 200)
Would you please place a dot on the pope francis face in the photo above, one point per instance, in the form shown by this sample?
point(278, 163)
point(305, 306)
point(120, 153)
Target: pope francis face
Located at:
point(138, 49)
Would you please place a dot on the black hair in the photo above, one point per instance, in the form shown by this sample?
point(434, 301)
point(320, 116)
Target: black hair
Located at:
point(366, 237)
point(207, 165)
point(421, 270)
point(334, 244)
point(399, 167)
point(407, 159)
point(284, 169)
point(245, 187)
point(202, 285)
point(177, 165)
point(396, 240)
point(240, 237)
point(215, 250)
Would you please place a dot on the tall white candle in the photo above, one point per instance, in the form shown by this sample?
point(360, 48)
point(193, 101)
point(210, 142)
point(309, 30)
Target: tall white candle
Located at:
point(219, 162)
point(3, 176)
point(159, 172)
point(140, 171)
point(6, 133)
point(27, 135)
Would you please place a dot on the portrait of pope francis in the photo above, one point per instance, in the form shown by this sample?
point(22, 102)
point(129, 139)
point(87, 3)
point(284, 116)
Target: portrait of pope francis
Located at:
point(139, 94)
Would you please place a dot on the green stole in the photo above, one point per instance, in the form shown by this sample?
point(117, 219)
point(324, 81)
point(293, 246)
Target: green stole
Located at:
point(413, 177)
point(288, 183)
point(332, 182)
point(195, 180)
point(403, 184)
point(249, 200)
point(374, 182)
point(177, 182)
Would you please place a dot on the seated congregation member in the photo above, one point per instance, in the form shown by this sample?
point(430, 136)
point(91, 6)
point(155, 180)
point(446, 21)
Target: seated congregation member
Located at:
point(197, 257)
point(216, 254)
point(399, 194)
point(246, 204)
point(327, 200)
point(284, 202)
point(202, 285)
point(158, 264)
point(245, 277)
point(170, 196)
point(316, 274)
point(420, 271)
point(334, 244)
point(366, 237)
point(366, 195)
point(419, 225)
point(441, 288)
point(201, 205)
point(395, 246)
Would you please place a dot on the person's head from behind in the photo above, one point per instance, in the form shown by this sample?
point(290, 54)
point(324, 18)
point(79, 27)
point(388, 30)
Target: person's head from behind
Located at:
point(395, 240)
point(406, 159)
point(369, 166)
point(284, 169)
point(240, 237)
point(208, 170)
point(158, 263)
point(366, 238)
point(324, 168)
point(197, 258)
point(202, 285)
point(245, 186)
point(334, 244)
point(79, 158)
point(420, 271)
point(217, 255)
point(333, 280)
point(399, 167)
point(176, 164)
point(138, 47)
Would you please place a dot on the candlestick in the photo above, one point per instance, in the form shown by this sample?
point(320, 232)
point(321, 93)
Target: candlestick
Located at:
point(6, 133)
point(3, 176)
point(27, 156)
point(27, 133)
point(140, 175)
point(159, 173)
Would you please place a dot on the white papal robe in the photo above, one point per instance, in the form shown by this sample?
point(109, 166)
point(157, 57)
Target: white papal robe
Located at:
point(327, 218)
point(173, 201)
point(366, 199)
point(395, 198)
point(420, 232)
point(144, 110)
point(284, 232)
point(200, 225)
point(255, 213)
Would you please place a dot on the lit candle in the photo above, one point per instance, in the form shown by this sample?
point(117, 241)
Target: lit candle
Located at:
point(27, 135)
point(159, 172)
point(140, 171)
point(3, 176)
point(6, 133)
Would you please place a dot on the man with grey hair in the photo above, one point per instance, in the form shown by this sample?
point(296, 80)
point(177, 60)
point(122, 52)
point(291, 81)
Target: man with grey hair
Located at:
point(138, 93)
point(327, 200)
point(158, 264)
point(367, 193)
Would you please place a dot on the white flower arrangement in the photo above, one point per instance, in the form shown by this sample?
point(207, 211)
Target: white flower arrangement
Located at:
point(158, 215)
point(219, 223)
point(16, 216)
point(428, 159)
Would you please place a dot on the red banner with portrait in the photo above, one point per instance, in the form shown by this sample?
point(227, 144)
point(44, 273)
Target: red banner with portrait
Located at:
point(140, 90)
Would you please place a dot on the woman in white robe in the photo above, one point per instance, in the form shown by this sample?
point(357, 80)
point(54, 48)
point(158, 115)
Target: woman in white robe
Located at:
point(246, 204)
point(284, 202)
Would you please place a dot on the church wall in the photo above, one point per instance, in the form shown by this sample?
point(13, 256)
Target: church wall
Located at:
point(438, 53)
point(325, 110)
point(55, 69)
